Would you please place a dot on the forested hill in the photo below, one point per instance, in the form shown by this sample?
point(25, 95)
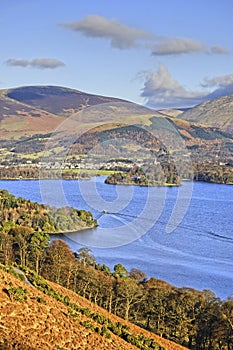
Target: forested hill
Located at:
point(18, 212)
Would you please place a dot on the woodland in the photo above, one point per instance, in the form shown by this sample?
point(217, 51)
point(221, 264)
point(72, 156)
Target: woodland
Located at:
point(196, 319)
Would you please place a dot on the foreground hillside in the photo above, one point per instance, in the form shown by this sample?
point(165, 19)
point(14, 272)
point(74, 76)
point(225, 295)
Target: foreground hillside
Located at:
point(198, 320)
point(32, 320)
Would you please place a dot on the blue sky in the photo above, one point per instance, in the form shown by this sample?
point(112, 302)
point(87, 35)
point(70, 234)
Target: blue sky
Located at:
point(162, 53)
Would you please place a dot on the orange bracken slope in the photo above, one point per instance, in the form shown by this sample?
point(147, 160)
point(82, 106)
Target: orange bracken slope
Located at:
point(41, 322)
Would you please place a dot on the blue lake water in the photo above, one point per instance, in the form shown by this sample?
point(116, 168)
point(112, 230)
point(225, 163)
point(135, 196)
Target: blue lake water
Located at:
point(193, 249)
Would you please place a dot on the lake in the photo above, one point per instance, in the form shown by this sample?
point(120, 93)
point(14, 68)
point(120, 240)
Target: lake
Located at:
point(181, 235)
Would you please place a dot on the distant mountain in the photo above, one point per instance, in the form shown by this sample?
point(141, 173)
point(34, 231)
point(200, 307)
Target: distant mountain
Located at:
point(25, 111)
point(57, 100)
point(38, 118)
point(18, 119)
point(216, 113)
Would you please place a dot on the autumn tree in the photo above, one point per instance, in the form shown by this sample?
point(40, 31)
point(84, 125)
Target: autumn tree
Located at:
point(21, 236)
point(227, 317)
point(6, 248)
point(86, 281)
point(207, 320)
point(129, 294)
point(137, 275)
point(85, 257)
point(39, 241)
point(120, 271)
point(58, 261)
point(154, 308)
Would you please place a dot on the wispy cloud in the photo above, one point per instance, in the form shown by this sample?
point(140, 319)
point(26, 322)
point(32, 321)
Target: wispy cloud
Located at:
point(219, 50)
point(120, 35)
point(41, 63)
point(17, 62)
point(46, 63)
point(177, 46)
point(180, 46)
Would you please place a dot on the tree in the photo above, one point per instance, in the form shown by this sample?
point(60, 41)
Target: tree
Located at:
point(58, 261)
point(129, 293)
point(6, 250)
point(120, 271)
point(85, 257)
point(107, 287)
point(137, 275)
point(154, 307)
point(226, 326)
point(38, 243)
point(21, 239)
point(104, 268)
point(207, 321)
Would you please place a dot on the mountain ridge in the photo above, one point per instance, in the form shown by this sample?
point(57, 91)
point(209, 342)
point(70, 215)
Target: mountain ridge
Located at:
point(36, 117)
point(43, 108)
point(36, 96)
point(64, 101)
point(217, 113)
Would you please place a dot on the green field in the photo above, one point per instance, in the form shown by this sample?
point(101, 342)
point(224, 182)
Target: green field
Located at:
point(90, 172)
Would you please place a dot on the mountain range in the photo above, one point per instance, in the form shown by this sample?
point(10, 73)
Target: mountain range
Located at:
point(33, 117)
point(41, 108)
point(27, 110)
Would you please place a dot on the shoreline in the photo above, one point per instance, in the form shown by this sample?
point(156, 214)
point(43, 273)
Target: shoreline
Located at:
point(67, 232)
point(119, 184)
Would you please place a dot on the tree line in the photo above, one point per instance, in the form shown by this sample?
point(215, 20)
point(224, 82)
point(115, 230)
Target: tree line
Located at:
point(40, 217)
point(25, 227)
point(198, 320)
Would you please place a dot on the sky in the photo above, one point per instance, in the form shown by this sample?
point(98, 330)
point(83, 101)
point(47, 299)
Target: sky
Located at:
point(159, 53)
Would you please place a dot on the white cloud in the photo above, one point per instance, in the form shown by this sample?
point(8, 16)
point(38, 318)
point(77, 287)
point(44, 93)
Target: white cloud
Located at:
point(41, 63)
point(219, 50)
point(221, 81)
point(120, 35)
point(17, 62)
point(177, 46)
point(223, 85)
point(46, 63)
point(161, 90)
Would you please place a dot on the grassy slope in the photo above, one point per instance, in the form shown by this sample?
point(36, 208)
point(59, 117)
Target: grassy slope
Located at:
point(218, 113)
point(18, 119)
point(56, 99)
point(32, 325)
point(30, 110)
